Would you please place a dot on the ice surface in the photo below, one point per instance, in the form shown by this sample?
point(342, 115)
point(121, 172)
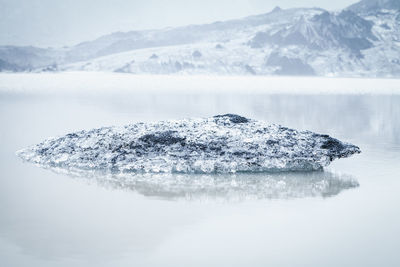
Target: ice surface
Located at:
point(221, 144)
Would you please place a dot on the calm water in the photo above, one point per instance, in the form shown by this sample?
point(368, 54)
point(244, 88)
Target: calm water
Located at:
point(53, 219)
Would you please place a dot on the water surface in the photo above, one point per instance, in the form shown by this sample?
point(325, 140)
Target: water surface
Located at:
point(50, 218)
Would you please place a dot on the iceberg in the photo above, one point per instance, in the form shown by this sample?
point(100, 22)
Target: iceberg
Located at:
point(220, 144)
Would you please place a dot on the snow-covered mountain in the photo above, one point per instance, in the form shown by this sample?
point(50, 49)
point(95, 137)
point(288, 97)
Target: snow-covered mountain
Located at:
point(374, 6)
point(361, 40)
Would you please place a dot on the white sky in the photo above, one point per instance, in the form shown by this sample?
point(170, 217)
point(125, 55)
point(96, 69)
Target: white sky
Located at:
point(67, 22)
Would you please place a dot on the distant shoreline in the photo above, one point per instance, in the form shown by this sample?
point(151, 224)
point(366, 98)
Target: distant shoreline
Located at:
point(86, 82)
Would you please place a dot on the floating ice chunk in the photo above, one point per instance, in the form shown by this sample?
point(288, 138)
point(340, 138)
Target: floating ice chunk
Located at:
point(220, 144)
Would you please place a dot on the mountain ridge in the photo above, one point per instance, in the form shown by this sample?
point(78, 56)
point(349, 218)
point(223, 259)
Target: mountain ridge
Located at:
point(371, 6)
point(360, 40)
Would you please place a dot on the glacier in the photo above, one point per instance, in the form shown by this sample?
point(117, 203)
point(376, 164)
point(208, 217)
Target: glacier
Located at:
point(221, 144)
point(362, 40)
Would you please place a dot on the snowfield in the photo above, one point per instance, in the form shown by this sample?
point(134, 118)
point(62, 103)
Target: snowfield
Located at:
point(362, 40)
point(76, 83)
point(301, 42)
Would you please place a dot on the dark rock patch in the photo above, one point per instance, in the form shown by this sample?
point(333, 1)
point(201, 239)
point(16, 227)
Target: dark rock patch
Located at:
point(162, 138)
point(153, 56)
point(233, 118)
point(197, 54)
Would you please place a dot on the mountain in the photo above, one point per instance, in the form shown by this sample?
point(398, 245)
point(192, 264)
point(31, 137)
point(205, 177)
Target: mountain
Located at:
point(28, 57)
point(361, 40)
point(322, 31)
point(372, 6)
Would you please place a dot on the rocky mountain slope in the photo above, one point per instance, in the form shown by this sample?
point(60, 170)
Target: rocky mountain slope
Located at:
point(361, 40)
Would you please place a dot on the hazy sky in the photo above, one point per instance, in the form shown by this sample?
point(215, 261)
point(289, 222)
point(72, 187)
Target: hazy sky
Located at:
point(67, 22)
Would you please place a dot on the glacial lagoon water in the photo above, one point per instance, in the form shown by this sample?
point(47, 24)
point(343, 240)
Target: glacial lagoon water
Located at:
point(346, 215)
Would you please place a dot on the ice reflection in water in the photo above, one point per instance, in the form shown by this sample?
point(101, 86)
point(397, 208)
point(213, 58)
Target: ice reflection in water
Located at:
point(231, 187)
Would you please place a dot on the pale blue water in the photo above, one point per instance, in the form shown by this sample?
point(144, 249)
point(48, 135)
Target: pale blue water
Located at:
point(50, 219)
